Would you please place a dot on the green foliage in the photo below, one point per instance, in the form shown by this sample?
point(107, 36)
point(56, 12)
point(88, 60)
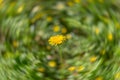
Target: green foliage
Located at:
point(91, 51)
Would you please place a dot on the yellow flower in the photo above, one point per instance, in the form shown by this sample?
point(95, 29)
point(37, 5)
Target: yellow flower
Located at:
point(55, 40)
point(110, 36)
point(117, 75)
point(77, 1)
point(56, 28)
point(1, 2)
point(20, 9)
point(49, 18)
point(15, 44)
point(52, 64)
point(64, 30)
point(93, 59)
point(70, 3)
point(99, 78)
point(68, 36)
point(72, 68)
point(80, 68)
point(97, 31)
point(41, 69)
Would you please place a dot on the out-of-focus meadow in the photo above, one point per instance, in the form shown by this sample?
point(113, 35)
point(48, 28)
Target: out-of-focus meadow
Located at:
point(59, 39)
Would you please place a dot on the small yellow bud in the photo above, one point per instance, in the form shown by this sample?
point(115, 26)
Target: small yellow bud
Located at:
point(110, 36)
point(97, 31)
point(15, 44)
point(93, 59)
point(1, 2)
point(49, 19)
point(41, 69)
point(80, 68)
point(56, 28)
point(99, 78)
point(64, 30)
point(70, 3)
point(117, 75)
point(72, 68)
point(20, 9)
point(52, 64)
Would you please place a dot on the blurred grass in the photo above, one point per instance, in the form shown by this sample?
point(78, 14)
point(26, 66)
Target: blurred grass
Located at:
point(91, 51)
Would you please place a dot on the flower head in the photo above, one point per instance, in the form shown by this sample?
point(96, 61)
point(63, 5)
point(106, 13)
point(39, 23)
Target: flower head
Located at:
point(64, 30)
point(72, 68)
point(49, 18)
point(55, 40)
point(99, 78)
point(15, 44)
point(1, 1)
point(110, 36)
point(52, 64)
point(20, 9)
point(117, 75)
point(93, 59)
point(56, 28)
point(97, 31)
point(41, 69)
point(80, 68)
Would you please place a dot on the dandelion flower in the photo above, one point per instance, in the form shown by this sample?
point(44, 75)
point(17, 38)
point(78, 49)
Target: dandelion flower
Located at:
point(1, 1)
point(49, 19)
point(55, 40)
point(117, 75)
point(20, 9)
point(72, 68)
point(93, 59)
point(80, 68)
point(41, 69)
point(15, 44)
point(70, 3)
point(52, 64)
point(110, 36)
point(99, 78)
point(64, 30)
point(97, 31)
point(56, 28)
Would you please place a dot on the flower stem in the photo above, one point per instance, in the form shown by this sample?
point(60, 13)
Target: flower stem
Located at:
point(60, 54)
